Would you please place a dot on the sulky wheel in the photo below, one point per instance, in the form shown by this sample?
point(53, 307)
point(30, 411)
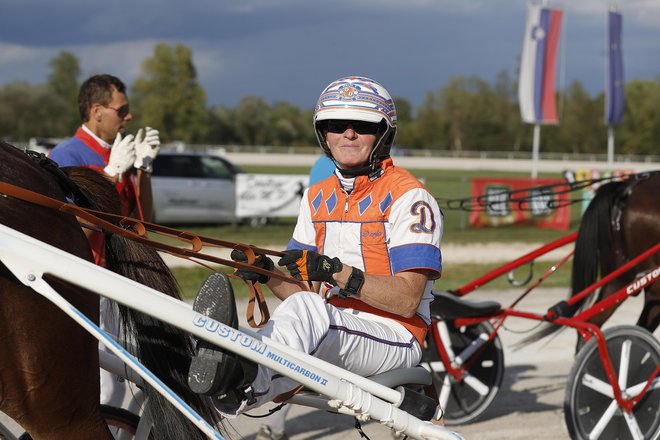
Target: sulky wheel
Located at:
point(465, 400)
point(590, 410)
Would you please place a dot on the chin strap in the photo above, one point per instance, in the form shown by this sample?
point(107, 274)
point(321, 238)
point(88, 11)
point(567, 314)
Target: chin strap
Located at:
point(373, 170)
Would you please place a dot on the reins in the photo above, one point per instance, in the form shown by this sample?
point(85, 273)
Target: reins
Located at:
point(121, 225)
point(525, 199)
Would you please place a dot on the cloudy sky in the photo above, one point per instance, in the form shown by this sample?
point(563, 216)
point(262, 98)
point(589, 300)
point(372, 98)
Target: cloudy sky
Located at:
point(290, 49)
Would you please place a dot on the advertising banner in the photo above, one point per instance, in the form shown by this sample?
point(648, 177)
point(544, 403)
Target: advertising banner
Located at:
point(269, 195)
point(585, 174)
point(507, 201)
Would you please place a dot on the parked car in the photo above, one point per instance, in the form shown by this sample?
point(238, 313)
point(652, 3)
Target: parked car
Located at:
point(193, 188)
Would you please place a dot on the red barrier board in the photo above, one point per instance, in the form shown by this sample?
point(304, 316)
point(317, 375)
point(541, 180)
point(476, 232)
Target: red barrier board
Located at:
point(497, 203)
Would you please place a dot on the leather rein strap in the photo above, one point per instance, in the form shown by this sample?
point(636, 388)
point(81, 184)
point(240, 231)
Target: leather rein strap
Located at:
point(117, 224)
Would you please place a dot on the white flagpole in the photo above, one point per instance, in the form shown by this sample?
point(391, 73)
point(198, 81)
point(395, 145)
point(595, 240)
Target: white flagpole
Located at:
point(535, 150)
point(610, 146)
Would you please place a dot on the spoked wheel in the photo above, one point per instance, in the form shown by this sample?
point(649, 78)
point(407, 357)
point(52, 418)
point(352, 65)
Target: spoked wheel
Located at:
point(465, 400)
point(590, 410)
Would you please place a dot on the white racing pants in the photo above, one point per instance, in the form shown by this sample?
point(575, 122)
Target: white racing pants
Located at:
point(360, 342)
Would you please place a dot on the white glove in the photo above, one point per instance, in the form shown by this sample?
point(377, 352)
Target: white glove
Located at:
point(122, 156)
point(146, 148)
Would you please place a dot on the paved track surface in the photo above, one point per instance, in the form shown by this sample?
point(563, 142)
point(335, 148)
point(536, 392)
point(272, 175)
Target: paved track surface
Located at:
point(529, 406)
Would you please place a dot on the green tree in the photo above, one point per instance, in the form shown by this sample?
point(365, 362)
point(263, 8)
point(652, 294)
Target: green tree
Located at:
point(168, 96)
point(63, 81)
point(405, 122)
point(221, 126)
point(287, 127)
point(431, 128)
point(307, 128)
point(468, 105)
point(30, 111)
point(252, 122)
point(506, 112)
point(639, 132)
point(580, 127)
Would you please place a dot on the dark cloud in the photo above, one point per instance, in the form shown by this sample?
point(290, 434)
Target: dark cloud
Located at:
point(289, 49)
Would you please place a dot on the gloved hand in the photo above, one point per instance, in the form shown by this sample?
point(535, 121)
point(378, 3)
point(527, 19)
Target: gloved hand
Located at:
point(310, 266)
point(122, 156)
point(147, 146)
point(261, 261)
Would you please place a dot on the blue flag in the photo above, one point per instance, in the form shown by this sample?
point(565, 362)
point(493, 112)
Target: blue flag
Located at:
point(614, 102)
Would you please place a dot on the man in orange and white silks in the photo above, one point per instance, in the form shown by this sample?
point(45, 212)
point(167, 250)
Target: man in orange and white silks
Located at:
point(367, 240)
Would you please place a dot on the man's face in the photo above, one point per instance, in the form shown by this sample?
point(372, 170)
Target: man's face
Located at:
point(112, 118)
point(351, 142)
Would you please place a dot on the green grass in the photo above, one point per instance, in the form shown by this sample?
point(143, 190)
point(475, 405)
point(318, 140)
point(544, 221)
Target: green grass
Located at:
point(191, 278)
point(453, 277)
point(442, 184)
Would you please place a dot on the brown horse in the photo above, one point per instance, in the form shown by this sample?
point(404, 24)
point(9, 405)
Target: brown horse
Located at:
point(620, 223)
point(49, 368)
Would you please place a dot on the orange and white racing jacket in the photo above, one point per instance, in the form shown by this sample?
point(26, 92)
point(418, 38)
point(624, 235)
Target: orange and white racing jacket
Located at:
point(385, 226)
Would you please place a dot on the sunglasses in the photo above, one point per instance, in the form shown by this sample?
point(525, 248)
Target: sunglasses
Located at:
point(122, 111)
point(360, 127)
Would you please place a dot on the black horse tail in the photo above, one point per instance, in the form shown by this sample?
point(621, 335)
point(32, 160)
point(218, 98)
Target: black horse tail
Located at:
point(594, 248)
point(593, 253)
point(161, 347)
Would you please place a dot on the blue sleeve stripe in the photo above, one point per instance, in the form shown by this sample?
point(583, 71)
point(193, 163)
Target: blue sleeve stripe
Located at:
point(415, 256)
point(293, 244)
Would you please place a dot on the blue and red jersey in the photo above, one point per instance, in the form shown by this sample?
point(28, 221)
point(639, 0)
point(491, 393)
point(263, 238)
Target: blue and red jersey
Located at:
point(83, 150)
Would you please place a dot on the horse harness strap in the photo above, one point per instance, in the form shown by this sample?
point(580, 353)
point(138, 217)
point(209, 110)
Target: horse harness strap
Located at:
point(105, 220)
point(621, 199)
point(70, 189)
point(256, 296)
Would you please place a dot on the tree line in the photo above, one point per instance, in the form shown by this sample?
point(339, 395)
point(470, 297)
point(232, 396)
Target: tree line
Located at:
point(467, 113)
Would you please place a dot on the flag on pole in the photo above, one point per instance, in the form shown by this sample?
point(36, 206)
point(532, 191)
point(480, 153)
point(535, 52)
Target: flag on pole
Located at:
point(614, 100)
point(536, 83)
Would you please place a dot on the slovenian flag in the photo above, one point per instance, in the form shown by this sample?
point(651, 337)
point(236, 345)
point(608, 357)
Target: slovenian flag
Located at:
point(614, 100)
point(536, 85)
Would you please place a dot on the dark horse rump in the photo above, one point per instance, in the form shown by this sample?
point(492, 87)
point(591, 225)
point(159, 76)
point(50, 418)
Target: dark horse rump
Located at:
point(621, 222)
point(49, 371)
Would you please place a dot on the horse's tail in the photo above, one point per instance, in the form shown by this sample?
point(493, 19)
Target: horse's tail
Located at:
point(593, 245)
point(163, 348)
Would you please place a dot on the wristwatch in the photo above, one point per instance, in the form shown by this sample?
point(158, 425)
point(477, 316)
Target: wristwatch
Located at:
point(353, 285)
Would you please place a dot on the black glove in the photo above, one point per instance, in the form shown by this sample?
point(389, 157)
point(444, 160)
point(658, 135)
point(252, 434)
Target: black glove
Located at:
point(310, 266)
point(262, 262)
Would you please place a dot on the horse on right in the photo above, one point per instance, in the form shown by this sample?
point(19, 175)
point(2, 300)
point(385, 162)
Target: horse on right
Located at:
point(621, 222)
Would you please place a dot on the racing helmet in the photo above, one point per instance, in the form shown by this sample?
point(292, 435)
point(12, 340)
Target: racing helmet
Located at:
point(357, 98)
